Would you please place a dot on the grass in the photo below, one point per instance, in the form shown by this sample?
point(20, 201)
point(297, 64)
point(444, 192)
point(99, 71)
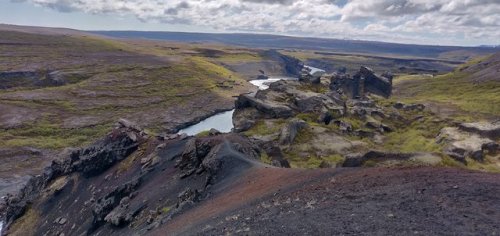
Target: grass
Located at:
point(51, 136)
point(130, 78)
point(266, 127)
point(265, 158)
point(26, 224)
point(455, 89)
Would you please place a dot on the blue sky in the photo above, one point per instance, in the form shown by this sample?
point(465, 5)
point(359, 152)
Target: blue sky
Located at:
point(443, 22)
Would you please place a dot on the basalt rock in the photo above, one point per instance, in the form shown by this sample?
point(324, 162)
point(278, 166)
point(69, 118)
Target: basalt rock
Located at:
point(461, 144)
point(290, 131)
point(90, 161)
point(486, 129)
point(364, 81)
point(356, 160)
point(270, 109)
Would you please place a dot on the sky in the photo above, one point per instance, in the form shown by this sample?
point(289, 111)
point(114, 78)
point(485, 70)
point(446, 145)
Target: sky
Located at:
point(436, 22)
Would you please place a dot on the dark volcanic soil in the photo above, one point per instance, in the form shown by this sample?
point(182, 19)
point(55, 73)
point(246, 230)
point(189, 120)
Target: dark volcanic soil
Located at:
point(215, 185)
point(424, 201)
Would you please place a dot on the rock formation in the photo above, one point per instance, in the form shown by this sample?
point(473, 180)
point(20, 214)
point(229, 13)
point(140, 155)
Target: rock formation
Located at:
point(363, 82)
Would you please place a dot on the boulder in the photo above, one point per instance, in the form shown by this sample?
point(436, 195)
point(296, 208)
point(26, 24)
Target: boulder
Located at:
point(357, 159)
point(268, 108)
point(364, 81)
point(486, 129)
point(290, 131)
point(460, 144)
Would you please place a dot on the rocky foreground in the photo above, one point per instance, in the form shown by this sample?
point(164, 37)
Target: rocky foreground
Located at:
point(135, 183)
point(130, 183)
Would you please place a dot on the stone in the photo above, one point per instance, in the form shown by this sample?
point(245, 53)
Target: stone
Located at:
point(290, 131)
point(460, 144)
point(487, 129)
point(364, 81)
point(213, 132)
point(270, 109)
point(353, 160)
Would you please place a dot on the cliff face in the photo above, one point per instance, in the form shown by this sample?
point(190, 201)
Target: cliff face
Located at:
point(126, 179)
point(363, 82)
point(292, 66)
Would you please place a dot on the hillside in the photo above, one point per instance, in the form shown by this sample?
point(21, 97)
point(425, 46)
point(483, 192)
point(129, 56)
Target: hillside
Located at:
point(92, 142)
point(470, 91)
point(63, 88)
point(335, 45)
point(131, 183)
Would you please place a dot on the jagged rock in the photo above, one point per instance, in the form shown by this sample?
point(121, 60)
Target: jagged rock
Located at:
point(129, 124)
point(262, 77)
point(293, 66)
point(362, 82)
point(244, 119)
point(409, 107)
point(61, 220)
point(462, 144)
point(290, 131)
point(357, 159)
point(89, 161)
point(213, 132)
point(326, 117)
point(105, 205)
point(270, 109)
point(487, 129)
point(316, 102)
point(353, 160)
point(364, 133)
point(345, 127)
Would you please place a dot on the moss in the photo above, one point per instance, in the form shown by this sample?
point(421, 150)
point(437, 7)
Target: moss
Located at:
point(455, 89)
point(370, 163)
point(265, 158)
point(203, 134)
point(26, 224)
point(165, 210)
point(308, 117)
point(313, 163)
point(51, 136)
point(450, 162)
point(334, 159)
point(265, 127)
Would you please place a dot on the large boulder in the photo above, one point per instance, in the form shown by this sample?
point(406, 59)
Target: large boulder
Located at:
point(268, 108)
point(364, 81)
point(461, 144)
point(487, 129)
point(290, 131)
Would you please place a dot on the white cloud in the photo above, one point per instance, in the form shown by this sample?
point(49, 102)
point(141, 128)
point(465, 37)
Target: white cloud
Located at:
point(424, 21)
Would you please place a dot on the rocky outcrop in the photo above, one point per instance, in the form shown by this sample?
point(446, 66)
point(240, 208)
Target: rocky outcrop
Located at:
point(357, 159)
point(469, 140)
point(409, 107)
point(293, 66)
point(269, 108)
point(89, 161)
point(486, 129)
point(363, 82)
point(41, 78)
point(283, 99)
point(290, 131)
point(159, 180)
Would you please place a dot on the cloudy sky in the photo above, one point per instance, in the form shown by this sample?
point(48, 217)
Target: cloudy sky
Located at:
point(443, 22)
